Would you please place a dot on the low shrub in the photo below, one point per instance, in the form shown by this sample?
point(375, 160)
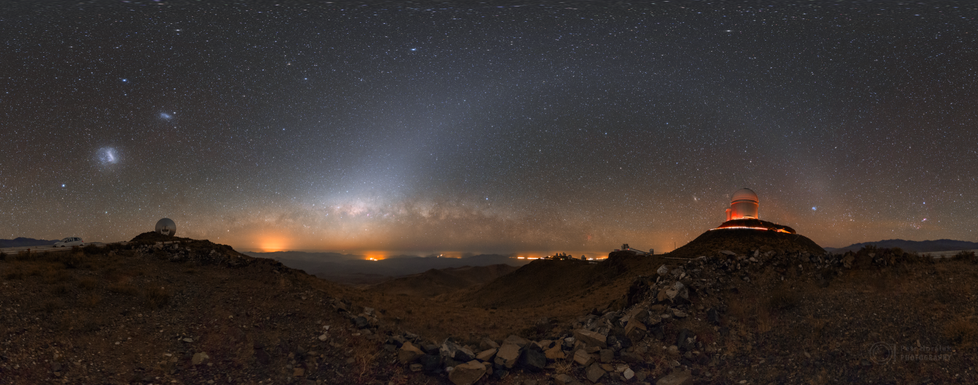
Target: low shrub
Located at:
point(783, 300)
point(156, 296)
point(14, 275)
point(72, 260)
point(965, 256)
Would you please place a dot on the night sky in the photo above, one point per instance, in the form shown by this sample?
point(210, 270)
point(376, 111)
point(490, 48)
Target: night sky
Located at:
point(506, 128)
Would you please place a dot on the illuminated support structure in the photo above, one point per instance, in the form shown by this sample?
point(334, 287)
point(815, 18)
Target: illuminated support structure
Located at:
point(742, 214)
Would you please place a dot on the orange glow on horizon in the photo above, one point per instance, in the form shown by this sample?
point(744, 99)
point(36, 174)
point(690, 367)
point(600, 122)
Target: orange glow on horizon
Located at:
point(375, 257)
point(270, 243)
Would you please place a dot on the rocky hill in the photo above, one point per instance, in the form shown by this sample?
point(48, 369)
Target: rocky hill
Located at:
point(164, 310)
point(435, 282)
point(743, 241)
point(913, 246)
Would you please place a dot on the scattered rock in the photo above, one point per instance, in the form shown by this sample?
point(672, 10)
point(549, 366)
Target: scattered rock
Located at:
point(467, 373)
point(662, 271)
point(488, 344)
point(628, 374)
point(591, 338)
point(408, 353)
point(676, 378)
point(507, 355)
point(635, 331)
point(533, 359)
point(517, 340)
point(199, 358)
point(564, 379)
point(486, 355)
point(595, 372)
point(583, 358)
point(606, 355)
point(713, 316)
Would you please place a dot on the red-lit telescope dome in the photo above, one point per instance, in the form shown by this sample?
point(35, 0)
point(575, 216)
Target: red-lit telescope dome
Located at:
point(743, 205)
point(742, 214)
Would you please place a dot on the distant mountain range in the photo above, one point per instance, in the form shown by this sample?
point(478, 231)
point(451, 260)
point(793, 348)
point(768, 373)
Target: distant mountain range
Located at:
point(25, 242)
point(912, 246)
point(356, 269)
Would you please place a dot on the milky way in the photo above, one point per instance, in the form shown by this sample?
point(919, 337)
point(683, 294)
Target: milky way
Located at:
point(505, 128)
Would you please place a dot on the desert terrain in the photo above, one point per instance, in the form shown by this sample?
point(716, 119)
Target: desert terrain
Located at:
point(728, 308)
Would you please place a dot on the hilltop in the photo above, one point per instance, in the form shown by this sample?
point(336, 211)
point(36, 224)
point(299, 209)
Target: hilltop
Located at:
point(743, 241)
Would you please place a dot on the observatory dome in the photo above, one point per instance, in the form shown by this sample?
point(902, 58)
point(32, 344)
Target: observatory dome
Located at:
point(742, 214)
point(166, 226)
point(743, 205)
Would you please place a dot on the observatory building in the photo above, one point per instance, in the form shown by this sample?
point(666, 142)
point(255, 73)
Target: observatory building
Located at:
point(166, 226)
point(743, 205)
point(742, 214)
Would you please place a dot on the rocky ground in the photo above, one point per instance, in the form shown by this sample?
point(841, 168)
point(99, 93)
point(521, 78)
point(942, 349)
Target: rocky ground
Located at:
point(169, 310)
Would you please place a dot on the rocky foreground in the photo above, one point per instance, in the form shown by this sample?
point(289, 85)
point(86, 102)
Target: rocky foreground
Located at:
point(157, 311)
point(768, 317)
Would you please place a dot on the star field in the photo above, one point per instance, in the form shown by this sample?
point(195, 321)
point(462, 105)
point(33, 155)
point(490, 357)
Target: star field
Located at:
point(529, 128)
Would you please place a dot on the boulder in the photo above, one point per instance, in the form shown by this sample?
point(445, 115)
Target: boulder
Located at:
point(464, 354)
point(595, 372)
point(533, 360)
point(677, 290)
point(486, 355)
point(488, 344)
point(606, 355)
point(514, 339)
point(640, 313)
point(431, 363)
point(635, 331)
point(507, 355)
point(679, 377)
point(467, 373)
point(448, 348)
point(591, 338)
point(662, 271)
point(408, 353)
point(555, 353)
point(583, 358)
point(564, 379)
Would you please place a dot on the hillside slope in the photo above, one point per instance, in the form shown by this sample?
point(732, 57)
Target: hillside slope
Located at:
point(744, 241)
point(184, 312)
point(913, 246)
point(436, 282)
